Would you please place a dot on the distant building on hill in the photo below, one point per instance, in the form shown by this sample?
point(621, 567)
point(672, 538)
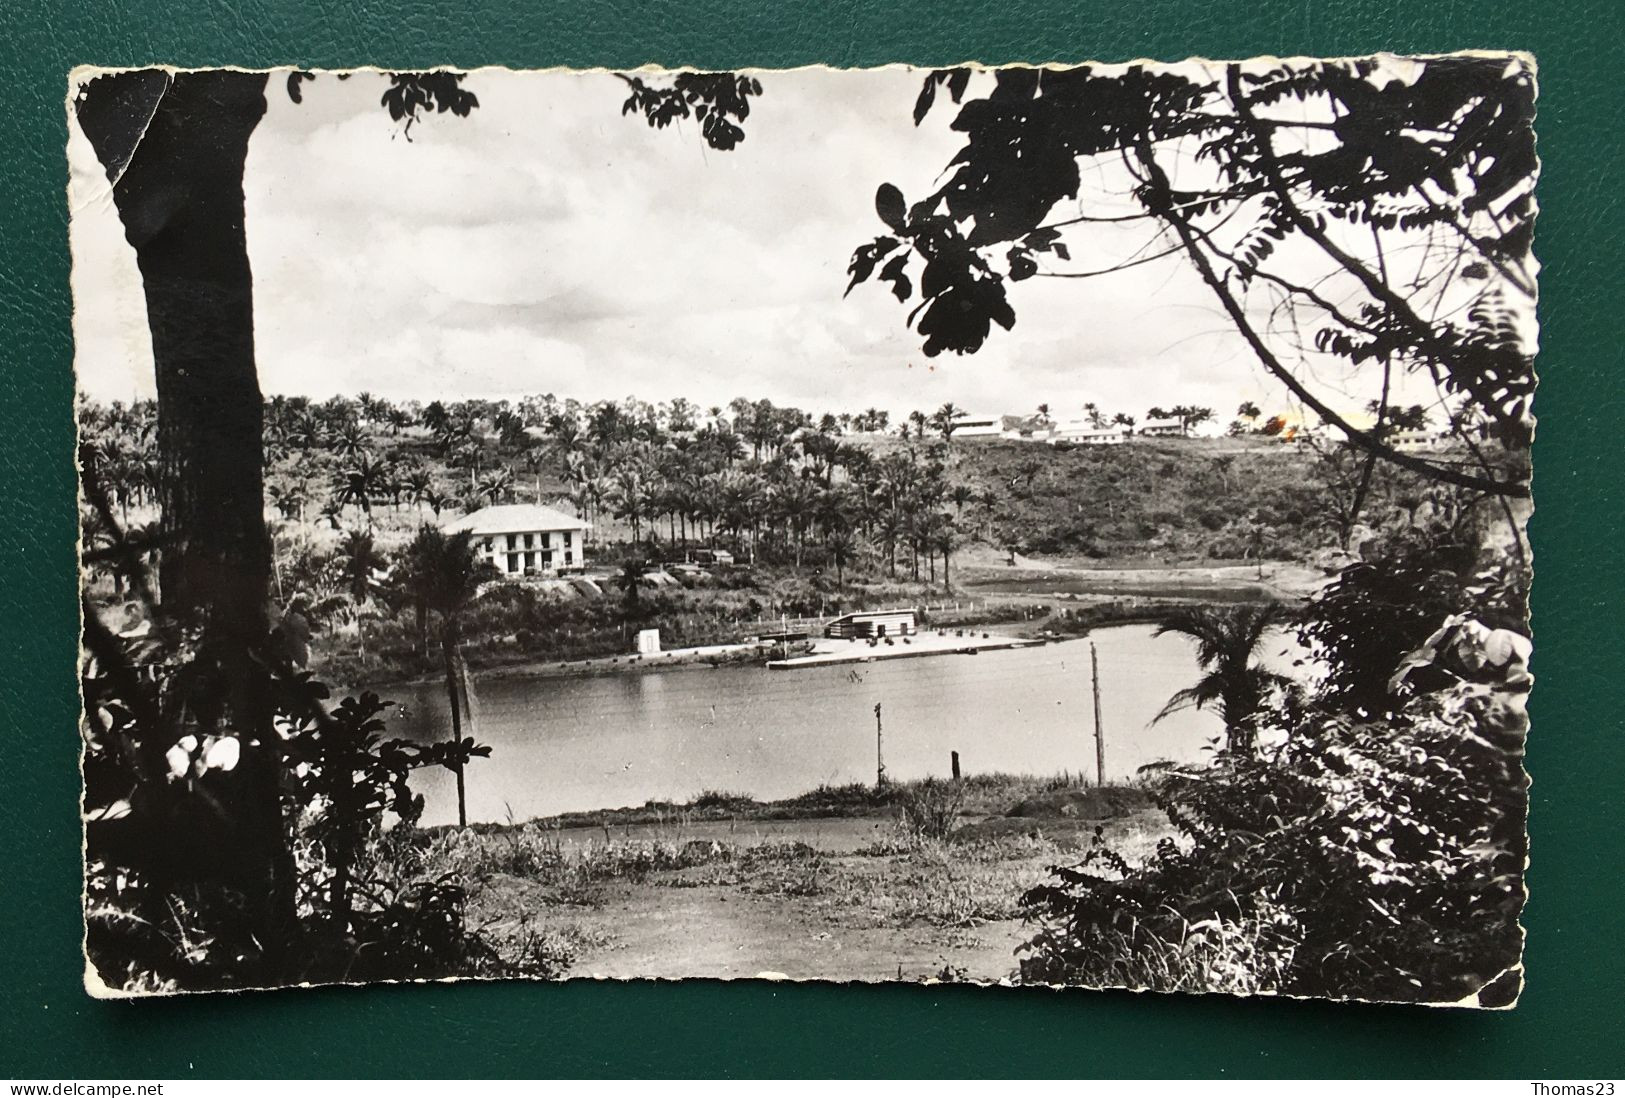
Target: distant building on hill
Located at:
point(979, 427)
point(524, 539)
point(1026, 428)
point(1161, 428)
point(1084, 434)
point(1424, 439)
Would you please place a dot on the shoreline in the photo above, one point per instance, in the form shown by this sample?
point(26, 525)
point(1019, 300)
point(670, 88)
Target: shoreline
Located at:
point(708, 657)
point(689, 659)
point(924, 645)
point(1031, 581)
point(989, 796)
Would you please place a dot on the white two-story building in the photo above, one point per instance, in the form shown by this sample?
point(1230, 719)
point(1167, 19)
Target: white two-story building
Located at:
point(1161, 428)
point(525, 539)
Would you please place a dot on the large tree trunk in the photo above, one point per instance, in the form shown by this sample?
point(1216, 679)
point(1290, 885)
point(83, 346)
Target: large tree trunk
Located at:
point(180, 196)
point(174, 147)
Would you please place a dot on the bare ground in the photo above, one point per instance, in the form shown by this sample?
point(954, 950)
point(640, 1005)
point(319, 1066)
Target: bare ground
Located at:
point(987, 573)
point(843, 899)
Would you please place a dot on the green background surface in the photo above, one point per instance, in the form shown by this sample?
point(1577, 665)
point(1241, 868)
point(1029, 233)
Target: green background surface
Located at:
point(1568, 1024)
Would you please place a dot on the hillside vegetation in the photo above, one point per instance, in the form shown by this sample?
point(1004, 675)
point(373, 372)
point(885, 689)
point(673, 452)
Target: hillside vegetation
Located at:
point(1173, 500)
point(822, 516)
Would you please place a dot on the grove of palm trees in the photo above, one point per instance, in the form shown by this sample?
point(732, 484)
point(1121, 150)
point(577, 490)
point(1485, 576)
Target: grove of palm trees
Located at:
point(822, 512)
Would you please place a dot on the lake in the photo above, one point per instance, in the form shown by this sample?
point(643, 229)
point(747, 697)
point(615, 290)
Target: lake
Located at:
point(607, 741)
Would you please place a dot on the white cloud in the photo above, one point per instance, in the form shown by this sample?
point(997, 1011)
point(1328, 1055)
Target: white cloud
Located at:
point(546, 243)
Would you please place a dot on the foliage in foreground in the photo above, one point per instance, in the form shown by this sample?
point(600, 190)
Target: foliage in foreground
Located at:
point(1369, 850)
point(169, 905)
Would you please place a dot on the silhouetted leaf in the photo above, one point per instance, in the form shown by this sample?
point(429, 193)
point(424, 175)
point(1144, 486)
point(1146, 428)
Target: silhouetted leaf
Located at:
point(295, 79)
point(890, 206)
point(928, 94)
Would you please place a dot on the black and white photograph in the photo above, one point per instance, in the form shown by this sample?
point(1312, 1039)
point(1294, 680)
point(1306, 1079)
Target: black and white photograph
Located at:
point(1040, 526)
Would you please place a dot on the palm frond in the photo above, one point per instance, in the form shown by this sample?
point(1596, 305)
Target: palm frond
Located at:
point(1209, 689)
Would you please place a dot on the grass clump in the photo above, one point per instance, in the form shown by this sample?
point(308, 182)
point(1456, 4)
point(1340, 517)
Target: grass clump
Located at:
point(931, 809)
point(570, 871)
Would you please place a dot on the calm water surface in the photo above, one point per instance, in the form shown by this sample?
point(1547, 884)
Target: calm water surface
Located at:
point(568, 744)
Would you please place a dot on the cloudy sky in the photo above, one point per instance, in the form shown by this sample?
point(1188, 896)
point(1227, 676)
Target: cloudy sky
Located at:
point(549, 244)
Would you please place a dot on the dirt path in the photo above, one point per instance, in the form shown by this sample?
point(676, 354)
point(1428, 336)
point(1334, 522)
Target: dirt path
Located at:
point(719, 932)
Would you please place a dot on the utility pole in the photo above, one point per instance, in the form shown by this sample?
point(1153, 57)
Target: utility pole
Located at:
point(1100, 738)
point(880, 760)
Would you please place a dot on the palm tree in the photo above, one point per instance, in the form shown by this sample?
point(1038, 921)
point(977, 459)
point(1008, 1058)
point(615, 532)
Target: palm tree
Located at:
point(348, 441)
point(333, 512)
point(944, 540)
point(890, 528)
point(436, 417)
point(842, 543)
point(435, 500)
point(306, 434)
point(946, 420)
point(1227, 639)
point(631, 496)
point(417, 484)
point(794, 504)
point(442, 574)
point(360, 484)
point(536, 459)
point(633, 569)
point(359, 559)
point(468, 454)
point(496, 485)
point(742, 503)
point(289, 497)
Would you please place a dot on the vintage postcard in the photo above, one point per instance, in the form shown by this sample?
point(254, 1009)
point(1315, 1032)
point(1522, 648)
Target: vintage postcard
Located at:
point(1039, 525)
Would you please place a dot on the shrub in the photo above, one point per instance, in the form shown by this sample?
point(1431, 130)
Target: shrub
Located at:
point(722, 800)
point(931, 809)
point(1373, 856)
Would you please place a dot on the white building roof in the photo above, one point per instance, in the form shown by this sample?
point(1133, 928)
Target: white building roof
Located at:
point(514, 518)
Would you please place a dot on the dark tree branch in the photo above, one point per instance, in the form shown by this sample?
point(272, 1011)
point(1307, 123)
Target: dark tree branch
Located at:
point(1123, 266)
point(1307, 292)
point(1398, 307)
point(1159, 195)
